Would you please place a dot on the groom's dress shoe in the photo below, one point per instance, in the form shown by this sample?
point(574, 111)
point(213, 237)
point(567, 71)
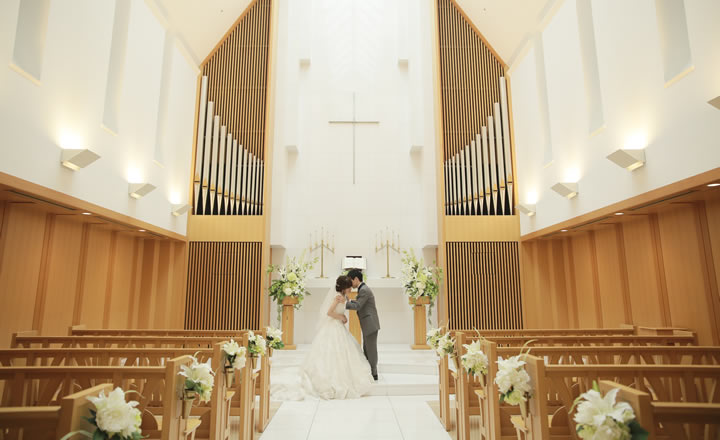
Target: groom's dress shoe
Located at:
point(375, 377)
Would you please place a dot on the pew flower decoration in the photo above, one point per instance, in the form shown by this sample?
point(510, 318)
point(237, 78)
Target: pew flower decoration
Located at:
point(257, 345)
point(513, 381)
point(114, 418)
point(199, 379)
point(601, 417)
point(432, 337)
point(291, 281)
point(274, 338)
point(445, 345)
point(235, 355)
point(474, 360)
point(419, 280)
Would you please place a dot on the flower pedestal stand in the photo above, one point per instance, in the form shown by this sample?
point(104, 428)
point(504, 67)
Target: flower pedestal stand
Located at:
point(420, 322)
point(288, 322)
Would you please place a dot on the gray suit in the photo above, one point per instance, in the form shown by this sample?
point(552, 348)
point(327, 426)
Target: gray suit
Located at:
point(369, 323)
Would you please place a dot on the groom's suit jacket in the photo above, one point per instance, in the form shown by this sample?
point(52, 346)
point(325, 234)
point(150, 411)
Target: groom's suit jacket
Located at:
point(366, 310)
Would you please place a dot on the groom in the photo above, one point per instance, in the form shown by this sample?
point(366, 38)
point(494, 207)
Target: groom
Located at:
point(368, 316)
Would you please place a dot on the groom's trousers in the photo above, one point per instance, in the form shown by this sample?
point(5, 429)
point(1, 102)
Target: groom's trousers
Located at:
point(370, 350)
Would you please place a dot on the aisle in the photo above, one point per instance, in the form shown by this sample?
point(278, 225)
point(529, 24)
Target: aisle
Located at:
point(374, 417)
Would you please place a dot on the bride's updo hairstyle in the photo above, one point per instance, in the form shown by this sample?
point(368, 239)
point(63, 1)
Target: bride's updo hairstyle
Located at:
point(342, 283)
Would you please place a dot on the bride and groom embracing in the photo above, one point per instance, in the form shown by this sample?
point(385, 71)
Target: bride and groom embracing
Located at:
point(335, 367)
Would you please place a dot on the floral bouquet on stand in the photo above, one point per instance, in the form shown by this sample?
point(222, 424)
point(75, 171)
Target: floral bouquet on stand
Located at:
point(199, 383)
point(291, 281)
point(234, 358)
point(113, 417)
point(274, 340)
point(474, 361)
point(600, 417)
point(420, 281)
point(257, 346)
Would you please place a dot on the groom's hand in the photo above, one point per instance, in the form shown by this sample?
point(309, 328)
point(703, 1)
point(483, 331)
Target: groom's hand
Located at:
point(340, 298)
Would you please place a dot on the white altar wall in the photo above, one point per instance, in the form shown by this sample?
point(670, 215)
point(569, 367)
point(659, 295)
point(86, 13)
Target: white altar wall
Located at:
point(354, 47)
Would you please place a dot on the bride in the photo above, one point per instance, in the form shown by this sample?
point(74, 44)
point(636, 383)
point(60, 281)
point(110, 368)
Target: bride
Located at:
point(335, 367)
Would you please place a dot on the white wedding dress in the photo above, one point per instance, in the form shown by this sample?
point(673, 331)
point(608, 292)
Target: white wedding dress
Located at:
point(334, 368)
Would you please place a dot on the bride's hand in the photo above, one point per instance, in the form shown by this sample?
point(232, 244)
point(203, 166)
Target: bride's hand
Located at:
point(339, 299)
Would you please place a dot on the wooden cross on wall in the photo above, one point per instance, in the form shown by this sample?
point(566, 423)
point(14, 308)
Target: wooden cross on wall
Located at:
point(354, 122)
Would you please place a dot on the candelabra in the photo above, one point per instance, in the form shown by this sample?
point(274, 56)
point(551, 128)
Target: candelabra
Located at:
point(322, 242)
point(386, 240)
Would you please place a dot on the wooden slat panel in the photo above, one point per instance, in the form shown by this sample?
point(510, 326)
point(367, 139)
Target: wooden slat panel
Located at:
point(484, 285)
point(223, 288)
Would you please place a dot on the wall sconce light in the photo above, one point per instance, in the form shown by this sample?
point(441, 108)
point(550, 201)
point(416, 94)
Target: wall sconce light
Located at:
point(137, 190)
point(180, 209)
point(628, 159)
point(526, 208)
point(75, 159)
point(715, 102)
point(566, 189)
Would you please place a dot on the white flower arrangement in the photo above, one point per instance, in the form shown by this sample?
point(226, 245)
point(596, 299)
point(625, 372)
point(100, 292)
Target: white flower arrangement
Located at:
point(257, 345)
point(445, 345)
point(474, 360)
point(602, 418)
point(199, 377)
point(420, 280)
point(432, 337)
point(274, 338)
point(291, 281)
point(513, 381)
point(114, 418)
point(235, 355)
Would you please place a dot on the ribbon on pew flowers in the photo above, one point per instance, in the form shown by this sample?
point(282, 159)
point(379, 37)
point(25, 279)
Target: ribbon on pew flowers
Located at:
point(600, 417)
point(114, 418)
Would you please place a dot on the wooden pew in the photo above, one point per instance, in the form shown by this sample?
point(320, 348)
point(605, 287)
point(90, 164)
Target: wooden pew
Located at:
point(82, 330)
point(557, 387)
point(45, 386)
point(671, 420)
point(561, 347)
point(47, 422)
point(32, 340)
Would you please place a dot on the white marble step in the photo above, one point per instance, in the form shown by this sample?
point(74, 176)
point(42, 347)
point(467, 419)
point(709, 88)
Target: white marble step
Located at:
point(392, 384)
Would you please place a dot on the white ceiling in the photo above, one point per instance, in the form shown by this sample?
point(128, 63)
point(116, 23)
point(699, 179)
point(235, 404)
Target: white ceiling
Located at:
point(506, 24)
point(200, 24)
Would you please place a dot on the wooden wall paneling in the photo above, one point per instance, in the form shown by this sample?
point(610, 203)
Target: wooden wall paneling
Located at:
point(135, 283)
point(585, 287)
point(92, 305)
point(569, 265)
point(62, 275)
point(109, 279)
point(646, 298)
point(179, 284)
point(597, 295)
point(559, 282)
point(685, 272)
point(147, 283)
point(21, 243)
point(118, 307)
point(609, 277)
point(45, 261)
point(81, 269)
point(543, 301)
point(712, 210)
point(708, 268)
point(163, 293)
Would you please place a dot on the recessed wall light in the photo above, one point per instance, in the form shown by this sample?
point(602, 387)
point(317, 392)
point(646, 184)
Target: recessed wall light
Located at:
point(566, 189)
point(628, 159)
point(713, 185)
point(563, 230)
point(86, 213)
point(75, 159)
point(141, 230)
point(619, 213)
point(526, 208)
point(137, 190)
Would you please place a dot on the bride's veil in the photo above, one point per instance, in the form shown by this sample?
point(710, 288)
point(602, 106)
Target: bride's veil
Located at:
point(323, 318)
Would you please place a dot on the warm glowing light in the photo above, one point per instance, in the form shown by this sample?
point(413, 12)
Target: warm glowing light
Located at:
point(531, 197)
point(713, 185)
point(86, 213)
point(619, 213)
point(572, 174)
point(175, 197)
point(141, 230)
point(68, 140)
point(563, 230)
point(636, 141)
point(134, 175)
